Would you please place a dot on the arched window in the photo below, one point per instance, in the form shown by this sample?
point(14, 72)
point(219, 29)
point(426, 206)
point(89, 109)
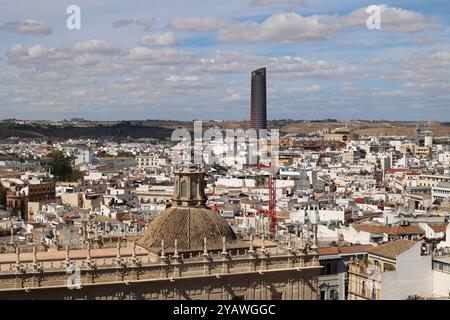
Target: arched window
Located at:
point(184, 192)
point(193, 189)
point(363, 288)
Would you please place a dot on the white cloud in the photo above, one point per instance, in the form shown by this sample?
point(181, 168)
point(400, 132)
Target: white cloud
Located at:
point(306, 90)
point(175, 78)
point(147, 56)
point(27, 27)
point(164, 39)
point(21, 55)
point(283, 27)
point(235, 97)
point(94, 46)
point(288, 27)
point(198, 24)
point(393, 20)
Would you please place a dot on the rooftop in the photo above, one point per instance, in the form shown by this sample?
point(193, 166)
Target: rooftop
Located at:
point(393, 249)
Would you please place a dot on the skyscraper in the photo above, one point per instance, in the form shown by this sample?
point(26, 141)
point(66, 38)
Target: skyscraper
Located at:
point(258, 115)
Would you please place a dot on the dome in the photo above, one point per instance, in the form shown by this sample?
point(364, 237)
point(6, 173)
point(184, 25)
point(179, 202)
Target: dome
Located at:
point(189, 226)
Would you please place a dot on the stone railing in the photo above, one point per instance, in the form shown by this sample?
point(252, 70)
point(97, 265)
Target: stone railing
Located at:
point(136, 267)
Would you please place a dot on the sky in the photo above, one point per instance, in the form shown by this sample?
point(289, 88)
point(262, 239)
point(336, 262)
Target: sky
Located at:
point(185, 60)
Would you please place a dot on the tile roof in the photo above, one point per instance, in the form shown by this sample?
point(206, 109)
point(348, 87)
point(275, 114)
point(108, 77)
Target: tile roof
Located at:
point(438, 227)
point(411, 229)
point(393, 249)
point(394, 230)
point(371, 228)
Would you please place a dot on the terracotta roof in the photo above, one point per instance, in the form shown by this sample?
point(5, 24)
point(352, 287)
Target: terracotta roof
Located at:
point(371, 228)
point(411, 229)
point(439, 227)
point(395, 230)
point(393, 249)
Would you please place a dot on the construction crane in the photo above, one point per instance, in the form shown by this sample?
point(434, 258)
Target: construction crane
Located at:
point(272, 197)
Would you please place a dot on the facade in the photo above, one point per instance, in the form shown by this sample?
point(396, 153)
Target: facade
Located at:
point(258, 115)
point(17, 200)
point(154, 194)
point(256, 275)
point(17, 203)
point(150, 161)
point(396, 270)
point(41, 192)
point(333, 280)
point(441, 192)
point(441, 277)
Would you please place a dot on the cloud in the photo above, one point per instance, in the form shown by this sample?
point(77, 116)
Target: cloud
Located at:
point(123, 23)
point(198, 24)
point(283, 27)
point(175, 78)
point(288, 27)
point(94, 46)
point(27, 27)
point(424, 40)
point(393, 20)
point(271, 2)
point(236, 97)
point(349, 88)
point(306, 90)
point(21, 55)
point(147, 23)
point(164, 39)
point(146, 56)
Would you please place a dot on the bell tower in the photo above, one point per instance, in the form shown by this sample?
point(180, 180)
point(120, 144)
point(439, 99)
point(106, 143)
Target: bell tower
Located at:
point(189, 186)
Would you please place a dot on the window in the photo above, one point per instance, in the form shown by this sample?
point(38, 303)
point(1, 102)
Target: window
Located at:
point(184, 193)
point(334, 295)
point(193, 189)
point(363, 288)
point(322, 295)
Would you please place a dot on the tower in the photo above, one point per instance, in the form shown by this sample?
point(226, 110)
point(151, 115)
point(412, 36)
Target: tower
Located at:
point(258, 114)
point(189, 186)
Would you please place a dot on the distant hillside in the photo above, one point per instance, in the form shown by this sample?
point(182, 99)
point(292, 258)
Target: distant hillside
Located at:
point(159, 129)
point(122, 130)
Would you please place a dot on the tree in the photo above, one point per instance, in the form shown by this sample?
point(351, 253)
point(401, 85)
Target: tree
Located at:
point(61, 167)
point(4, 232)
point(2, 195)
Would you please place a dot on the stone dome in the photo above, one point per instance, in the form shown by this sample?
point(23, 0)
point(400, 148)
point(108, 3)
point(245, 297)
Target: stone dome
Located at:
point(189, 226)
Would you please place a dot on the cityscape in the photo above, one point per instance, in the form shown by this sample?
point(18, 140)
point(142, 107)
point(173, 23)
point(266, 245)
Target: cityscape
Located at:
point(167, 172)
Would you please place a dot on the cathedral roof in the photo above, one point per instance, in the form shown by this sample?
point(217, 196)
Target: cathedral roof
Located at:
point(189, 226)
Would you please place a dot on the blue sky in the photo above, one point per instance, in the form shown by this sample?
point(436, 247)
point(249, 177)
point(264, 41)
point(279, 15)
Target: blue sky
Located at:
point(189, 60)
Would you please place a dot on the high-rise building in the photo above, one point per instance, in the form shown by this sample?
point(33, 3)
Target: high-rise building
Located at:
point(258, 116)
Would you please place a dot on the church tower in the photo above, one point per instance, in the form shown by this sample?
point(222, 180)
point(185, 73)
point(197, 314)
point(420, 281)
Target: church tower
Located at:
point(189, 186)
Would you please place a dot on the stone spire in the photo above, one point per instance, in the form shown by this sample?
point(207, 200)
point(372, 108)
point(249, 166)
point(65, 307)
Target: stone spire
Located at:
point(67, 260)
point(17, 255)
point(34, 254)
point(163, 252)
point(251, 243)
point(205, 247)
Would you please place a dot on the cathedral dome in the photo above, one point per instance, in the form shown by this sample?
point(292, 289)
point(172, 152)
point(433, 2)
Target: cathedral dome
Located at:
point(188, 221)
point(189, 226)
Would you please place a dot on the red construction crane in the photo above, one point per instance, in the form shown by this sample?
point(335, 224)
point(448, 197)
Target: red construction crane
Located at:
point(272, 197)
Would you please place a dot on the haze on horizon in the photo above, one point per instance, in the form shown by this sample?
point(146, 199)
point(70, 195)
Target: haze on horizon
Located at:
point(174, 60)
